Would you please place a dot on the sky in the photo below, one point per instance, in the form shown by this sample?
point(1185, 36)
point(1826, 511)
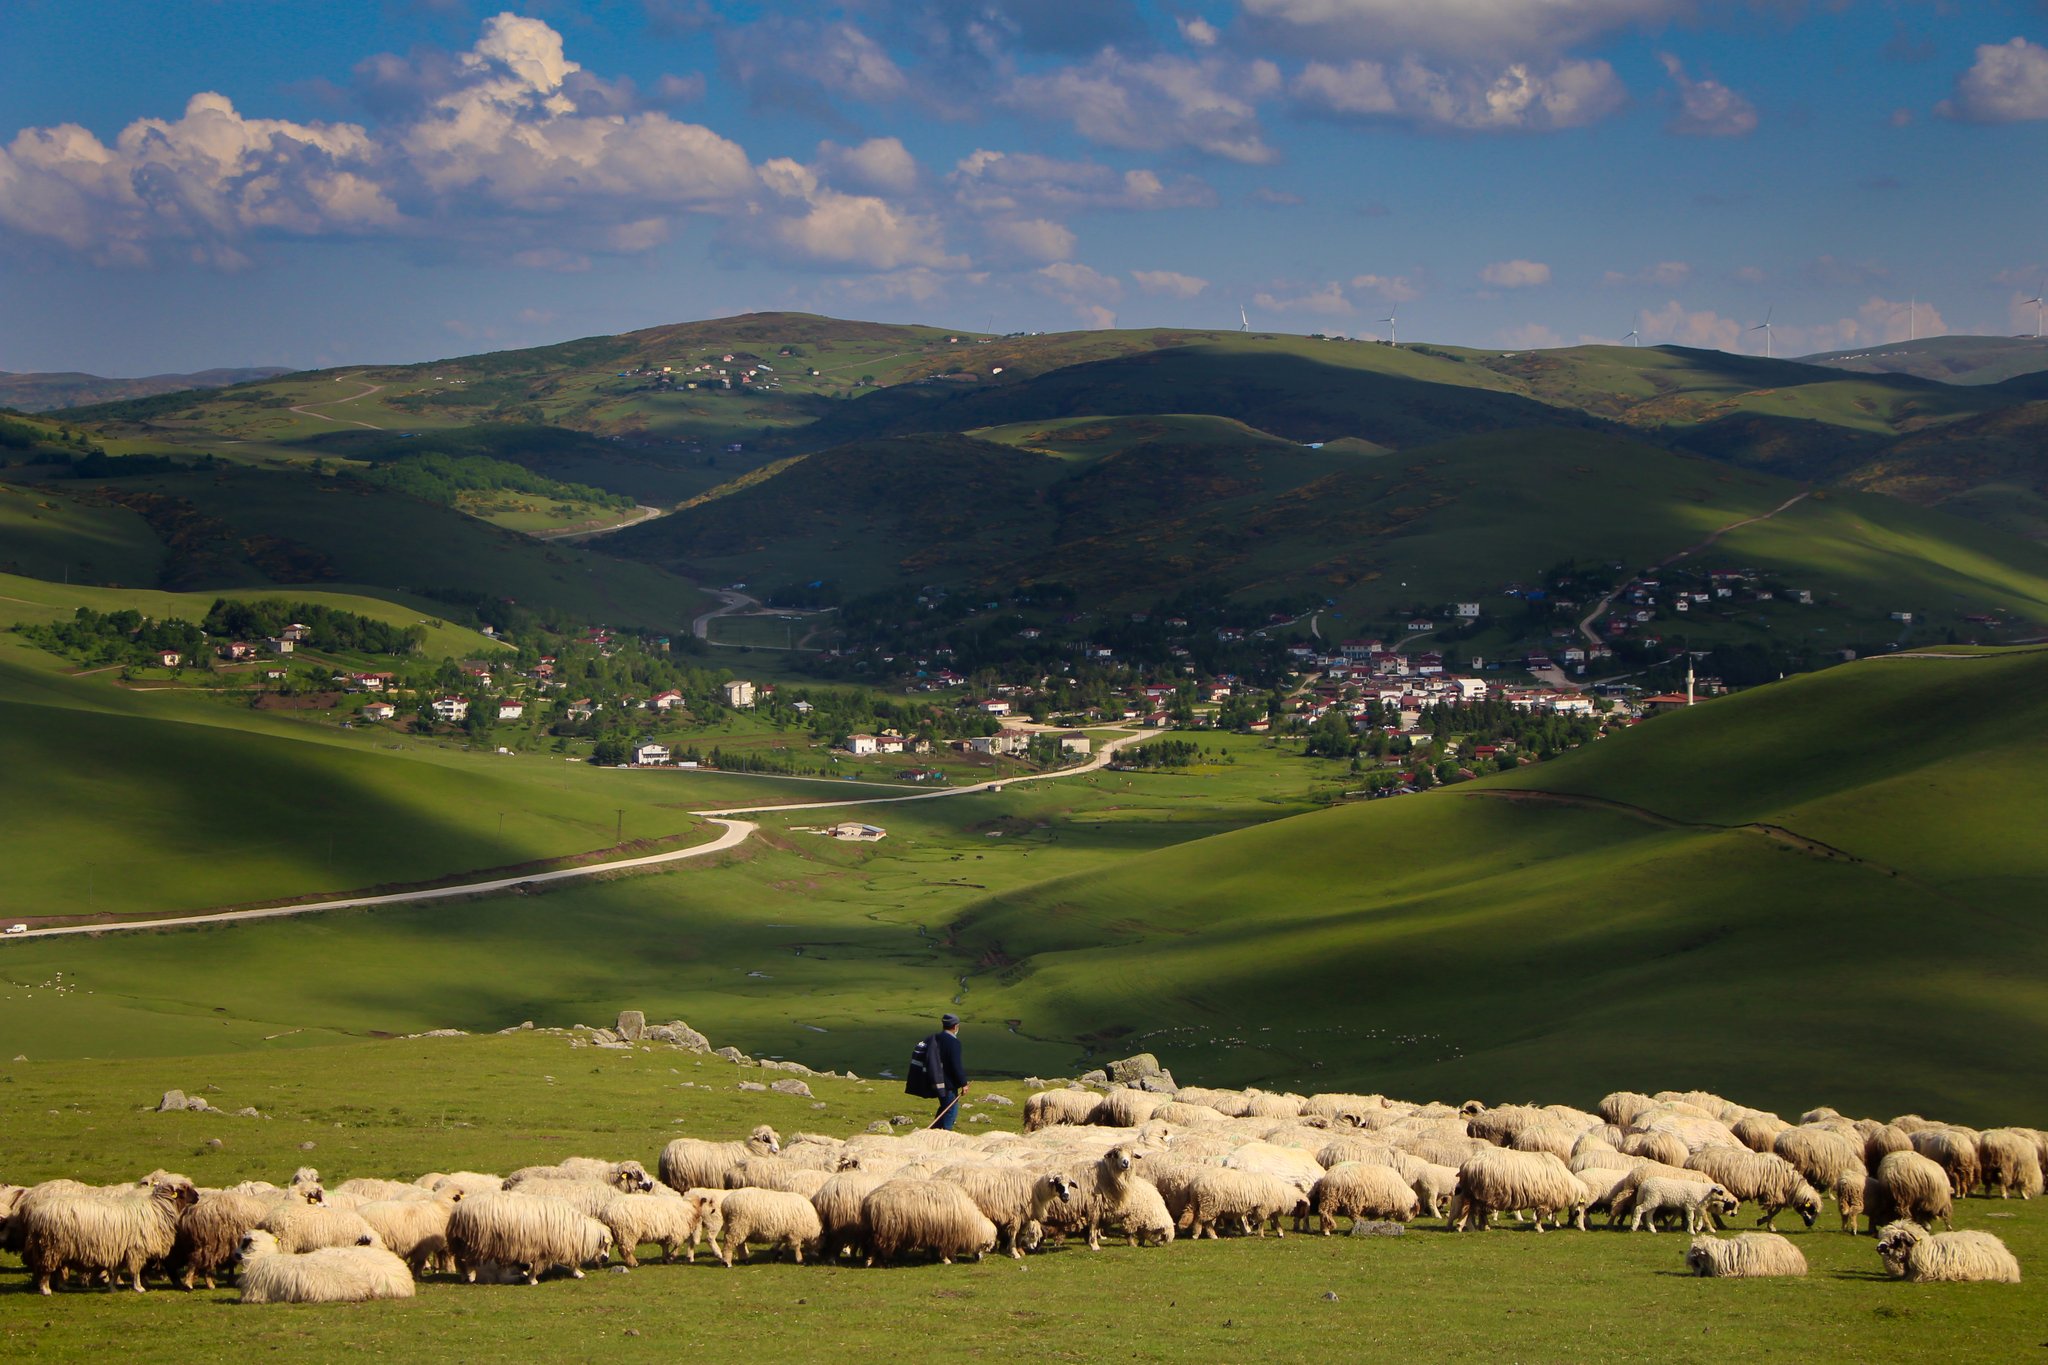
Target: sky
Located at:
point(318, 182)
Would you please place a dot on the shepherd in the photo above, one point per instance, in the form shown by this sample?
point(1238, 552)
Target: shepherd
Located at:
point(937, 1071)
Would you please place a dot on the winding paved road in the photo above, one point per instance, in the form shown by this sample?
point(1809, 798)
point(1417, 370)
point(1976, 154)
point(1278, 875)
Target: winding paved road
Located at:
point(735, 833)
point(306, 409)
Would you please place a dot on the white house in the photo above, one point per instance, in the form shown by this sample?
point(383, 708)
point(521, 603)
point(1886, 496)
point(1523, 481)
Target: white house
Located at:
point(662, 701)
point(1468, 611)
point(860, 744)
point(451, 708)
point(1075, 743)
point(651, 753)
point(739, 694)
point(511, 710)
point(379, 710)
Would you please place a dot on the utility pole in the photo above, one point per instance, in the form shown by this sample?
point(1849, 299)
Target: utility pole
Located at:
point(620, 836)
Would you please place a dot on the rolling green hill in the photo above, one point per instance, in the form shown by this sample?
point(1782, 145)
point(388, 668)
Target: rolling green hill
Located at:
point(1831, 881)
point(1950, 359)
point(69, 389)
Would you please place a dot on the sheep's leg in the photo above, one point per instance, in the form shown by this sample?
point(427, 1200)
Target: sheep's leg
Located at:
point(1769, 1221)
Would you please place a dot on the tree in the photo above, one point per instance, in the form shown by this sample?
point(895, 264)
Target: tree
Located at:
point(609, 751)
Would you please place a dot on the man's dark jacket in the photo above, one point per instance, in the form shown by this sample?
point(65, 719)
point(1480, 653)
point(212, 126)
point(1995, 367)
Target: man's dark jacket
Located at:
point(947, 1068)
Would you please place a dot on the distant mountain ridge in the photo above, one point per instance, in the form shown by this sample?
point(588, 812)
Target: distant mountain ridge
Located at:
point(71, 389)
point(1949, 359)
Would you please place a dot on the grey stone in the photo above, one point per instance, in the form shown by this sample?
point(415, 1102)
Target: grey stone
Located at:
point(172, 1100)
point(978, 1118)
point(734, 1055)
point(790, 1086)
point(752, 1085)
point(1378, 1229)
point(603, 1035)
point(1131, 1069)
point(879, 1126)
point(631, 1025)
point(901, 1121)
point(197, 1104)
point(307, 1146)
point(215, 1143)
point(249, 1112)
point(1003, 1100)
point(1093, 1078)
point(676, 1033)
point(1162, 1084)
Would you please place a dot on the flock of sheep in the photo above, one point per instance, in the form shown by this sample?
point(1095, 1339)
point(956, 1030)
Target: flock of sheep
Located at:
point(1128, 1163)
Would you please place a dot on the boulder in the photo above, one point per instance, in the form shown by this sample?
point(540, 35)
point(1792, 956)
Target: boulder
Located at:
point(1162, 1084)
point(197, 1104)
point(790, 1086)
point(752, 1085)
point(173, 1101)
point(734, 1055)
point(676, 1033)
point(632, 1024)
point(1131, 1070)
point(1100, 1078)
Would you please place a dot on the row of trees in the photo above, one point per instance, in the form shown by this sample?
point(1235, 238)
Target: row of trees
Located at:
point(435, 477)
point(329, 628)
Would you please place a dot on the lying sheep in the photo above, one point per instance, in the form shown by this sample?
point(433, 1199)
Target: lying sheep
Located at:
point(1917, 1188)
point(626, 1176)
point(210, 1234)
point(776, 1217)
point(1910, 1252)
point(662, 1216)
point(688, 1163)
point(1698, 1203)
point(414, 1230)
point(1357, 1190)
point(113, 1231)
point(1765, 1179)
point(1746, 1255)
point(1502, 1181)
point(349, 1274)
point(905, 1216)
point(533, 1232)
point(2011, 1161)
point(1250, 1200)
point(1048, 1108)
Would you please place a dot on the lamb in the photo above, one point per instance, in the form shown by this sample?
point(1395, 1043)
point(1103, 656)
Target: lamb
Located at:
point(1048, 1108)
point(119, 1232)
point(1910, 1252)
point(2012, 1162)
point(1821, 1154)
point(776, 1217)
point(348, 1274)
point(1501, 1180)
point(210, 1234)
point(1002, 1193)
point(838, 1203)
point(534, 1232)
point(1698, 1203)
point(1357, 1190)
point(902, 1216)
point(688, 1164)
point(626, 1176)
point(1955, 1151)
point(662, 1216)
point(1917, 1187)
point(414, 1230)
point(1250, 1199)
point(1434, 1185)
point(1747, 1255)
point(1764, 1178)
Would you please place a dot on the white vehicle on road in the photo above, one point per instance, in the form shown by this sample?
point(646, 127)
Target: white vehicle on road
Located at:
point(17, 928)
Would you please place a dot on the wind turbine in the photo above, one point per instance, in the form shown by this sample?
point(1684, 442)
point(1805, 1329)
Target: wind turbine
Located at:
point(1765, 328)
point(1634, 337)
point(2036, 301)
point(1244, 322)
point(1393, 336)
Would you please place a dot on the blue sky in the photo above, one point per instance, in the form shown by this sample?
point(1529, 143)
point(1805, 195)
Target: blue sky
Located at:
point(306, 182)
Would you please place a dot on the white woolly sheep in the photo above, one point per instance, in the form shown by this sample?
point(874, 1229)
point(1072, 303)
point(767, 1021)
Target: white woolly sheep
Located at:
point(838, 1203)
point(1002, 1193)
point(938, 1216)
point(1250, 1200)
point(1358, 1190)
point(531, 1231)
point(1758, 1131)
point(1621, 1107)
point(1910, 1252)
point(468, 1183)
point(1821, 1154)
point(1765, 1179)
point(1881, 1141)
point(588, 1197)
point(780, 1219)
point(210, 1234)
point(1858, 1193)
point(626, 1176)
point(348, 1274)
point(1501, 1181)
point(1049, 1108)
point(370, 1189)
point(773, 1173)
point(661, 1216)
point(2011, 1161)
point(1659, 1146)
point(1434, 1186)
point(1955, 1151)
point(1918, 1188)
point(1747, 1255)
point(1698, 1203)
point(688, 1163)
point(1142, 1215)
point(307, 1227)
point(1125, 1107)
point(116, 1231)
point(414, 1230)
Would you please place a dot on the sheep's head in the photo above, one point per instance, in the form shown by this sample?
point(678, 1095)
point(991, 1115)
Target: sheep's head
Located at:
point(763, 1141)
point(1117, 1160)
point(848, 1161)
point(305, 1175)
point(1719, 1198)
point(633, 1177)
point(1060, 1185)
point(312, 1194)
point(1697, 1256)
point(1807, 1204)
point(175, 1189)
point(256, 1242)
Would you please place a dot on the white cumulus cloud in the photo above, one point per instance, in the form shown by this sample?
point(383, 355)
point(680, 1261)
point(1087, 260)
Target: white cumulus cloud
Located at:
point(1169, 283)
point(1034, 239)
point(1519, 97)
point(1084, 289)
point(1156, 103)
point(1011, 182)
point(2008, 83)
point(1516, 274)
point(1320, 300)
point(1707, 108)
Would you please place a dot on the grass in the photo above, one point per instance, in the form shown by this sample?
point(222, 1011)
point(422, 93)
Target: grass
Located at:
point(49, 535)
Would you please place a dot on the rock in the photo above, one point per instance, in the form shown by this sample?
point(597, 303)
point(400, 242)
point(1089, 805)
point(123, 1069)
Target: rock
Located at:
point(752, 1085)
point(1093, 1078)
point(307, 1146)
point(212, 1089)
point(1162, 1084)
point(879, 1126)
point(1378, 1229)
point(676, 1033)
point(790, 1087)
point(901, 1121)
point(1003, 1100)
point(603, 1035)
point(172, 1100)
point(631, 1025)
point(775, 1064)
point(1134, 1068)
point(215, 1143)
point(248, 1112)
point(734, 1055)
point(978, 1118)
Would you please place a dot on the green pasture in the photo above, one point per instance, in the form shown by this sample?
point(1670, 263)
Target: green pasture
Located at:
point(47, 534)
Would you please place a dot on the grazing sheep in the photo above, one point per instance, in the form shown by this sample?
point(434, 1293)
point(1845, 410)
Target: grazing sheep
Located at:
point(1229, 1103)
point(838, 1203)
point(776, 1217)
point(1910, 1252)
point(1821, 1154)
point(688, 1164)
point(1125, 1107)
point(414, 1230)
point(1622, 1107)
point(348, 1274)
point(1758, 1131)
point(534, 1232)
point(627, 1176)
point(773, 1173)
point(1499, 1126)
point(1502, 1181)
point(468, 1183)
point(2012, 1163)
point(116, 1231)
point(1554, 1138)
point(1955, 1151)
point(1298, 1168)
point(1918, 1188)
point(902, 1216)
point(1173, 1179)
point(1049, 1108)
point(210, 1234)
point(661, 1216)
point(1746, 1255)
point(370, 1189)
point(1667, 1148)
point(1602, 1184)
point(1002, 1193)
point(307, 1227)
point(1251, 1200)
point(1858, 1193)
point(1769, 1181)
point(588, 1197)
point(1356, 1190)
point(1698, 1203)
point(1882, 1141)
point(1434, 1186)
